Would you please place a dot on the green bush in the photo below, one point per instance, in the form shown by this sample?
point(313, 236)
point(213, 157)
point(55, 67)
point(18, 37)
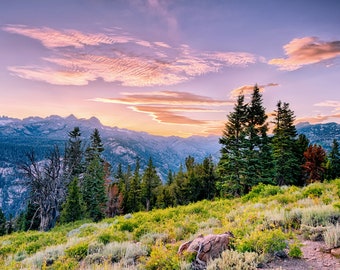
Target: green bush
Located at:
point(263, 242)
point(78, 251)
point(261, 191)
point(162, 258)
point(295, 250)
point(65, 263)
point(314, 190)
point(105, 238)
point(128, 225)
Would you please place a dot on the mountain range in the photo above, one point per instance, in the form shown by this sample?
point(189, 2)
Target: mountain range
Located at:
point(122, 146)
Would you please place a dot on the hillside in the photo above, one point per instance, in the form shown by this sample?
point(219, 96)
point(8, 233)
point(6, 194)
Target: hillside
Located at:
point(269, 220)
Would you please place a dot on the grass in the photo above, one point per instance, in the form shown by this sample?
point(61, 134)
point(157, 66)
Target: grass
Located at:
point(262, 222)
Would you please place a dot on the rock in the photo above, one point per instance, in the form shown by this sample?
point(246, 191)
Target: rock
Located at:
point(206, 248)
point(336, 252)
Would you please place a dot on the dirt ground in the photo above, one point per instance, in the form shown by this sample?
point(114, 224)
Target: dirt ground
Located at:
point(314, 258)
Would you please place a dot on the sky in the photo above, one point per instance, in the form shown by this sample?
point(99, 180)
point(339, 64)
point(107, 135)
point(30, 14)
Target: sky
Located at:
point(168, 67)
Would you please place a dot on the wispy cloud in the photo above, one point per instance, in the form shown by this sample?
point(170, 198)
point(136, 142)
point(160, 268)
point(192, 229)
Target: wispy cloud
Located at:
point(165, 98)
point(329, 103)
point(318, 118)
point(248, 89)
point(170, 114)
point(306, 51)
point(169, 106)
point(85, 57)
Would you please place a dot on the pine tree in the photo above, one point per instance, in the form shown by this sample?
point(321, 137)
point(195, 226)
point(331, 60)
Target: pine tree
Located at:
point(134, 196)
point(334, 160)
point(96, 147)
point(180, 187)
point(150, 182)
point(93, 188)
point(258, 152)
point(2, 223)
point(206, 172)
point(232, 163)
point(73, 208)
point(302, 143)
point(285, 160)
point(74, 155)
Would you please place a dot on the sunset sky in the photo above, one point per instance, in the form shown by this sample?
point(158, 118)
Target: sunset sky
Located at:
point(168, 67)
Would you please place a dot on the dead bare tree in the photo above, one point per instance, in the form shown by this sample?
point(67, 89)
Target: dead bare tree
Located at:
point(46, 186)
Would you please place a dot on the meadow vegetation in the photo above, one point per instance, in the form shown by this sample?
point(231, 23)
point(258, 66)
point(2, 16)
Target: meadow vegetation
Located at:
point(268, 220)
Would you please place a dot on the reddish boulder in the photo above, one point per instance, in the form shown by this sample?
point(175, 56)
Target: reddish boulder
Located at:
point(206, 248)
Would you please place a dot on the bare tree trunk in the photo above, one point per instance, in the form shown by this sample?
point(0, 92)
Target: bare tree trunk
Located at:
point(46, 186)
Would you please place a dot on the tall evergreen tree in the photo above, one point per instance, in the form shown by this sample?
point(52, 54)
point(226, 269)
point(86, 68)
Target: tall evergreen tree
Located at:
point(96, 146)
point(285, 160)
point(73, 208)
point(258, 154)
point(334, 160)
point(74, 155)
point(134, 196)
point(150, 182)
point(94, 192)
point(206, 172)
point(232, 163)
point(93, 188)
point(302, 143)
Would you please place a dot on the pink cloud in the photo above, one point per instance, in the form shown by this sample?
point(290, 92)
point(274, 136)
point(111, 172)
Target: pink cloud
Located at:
point(153, 63)
point(306, 51)
point(165, 98)
point(318, 118)
point(52, 38)
point(329, 103)
point(167, 106)
point(169, 115)
point(248, 89)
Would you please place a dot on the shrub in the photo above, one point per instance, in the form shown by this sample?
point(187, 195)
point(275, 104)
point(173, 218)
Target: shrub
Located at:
point(232, 259)
point(332, 236)
point(162, 258)
point(264, 242)
point(105, 238)
point(128, 225)
point(261, 191)
point(295, 250)
point(320, 216)
point(47, 256)
point(314, 190)
point(128, 251)
point(152, 238)
point(78, 251)
point(313, 233)
point(65, 263)
point(292, 219)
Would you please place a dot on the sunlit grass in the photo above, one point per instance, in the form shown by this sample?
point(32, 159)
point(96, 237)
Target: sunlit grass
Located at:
point(262, 223)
